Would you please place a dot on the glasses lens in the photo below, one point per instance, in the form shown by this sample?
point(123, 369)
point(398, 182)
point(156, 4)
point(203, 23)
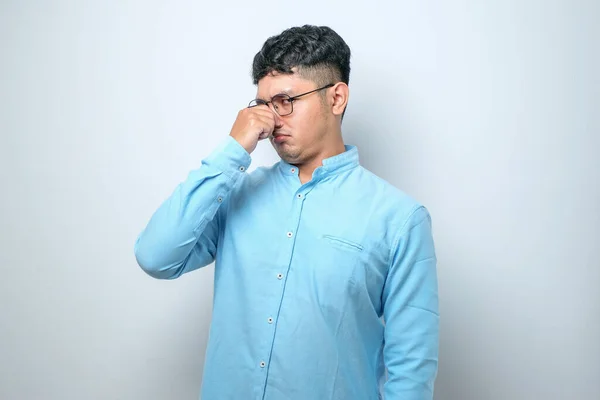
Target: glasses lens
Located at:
point(282, 105)
point(255, 103)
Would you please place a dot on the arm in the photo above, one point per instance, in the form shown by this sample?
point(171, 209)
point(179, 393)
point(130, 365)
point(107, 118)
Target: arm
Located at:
point(182, 234)
point(410, 301)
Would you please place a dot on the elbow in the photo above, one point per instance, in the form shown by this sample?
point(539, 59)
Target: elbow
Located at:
point(150, 262)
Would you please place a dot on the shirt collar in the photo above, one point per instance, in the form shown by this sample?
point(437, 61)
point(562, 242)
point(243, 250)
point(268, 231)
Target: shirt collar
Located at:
point(332, 165)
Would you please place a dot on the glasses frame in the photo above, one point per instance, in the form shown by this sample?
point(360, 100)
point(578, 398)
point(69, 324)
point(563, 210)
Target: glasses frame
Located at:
point(287, 97)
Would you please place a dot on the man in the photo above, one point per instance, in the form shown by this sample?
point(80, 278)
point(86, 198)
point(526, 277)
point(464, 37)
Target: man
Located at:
point(324, 273)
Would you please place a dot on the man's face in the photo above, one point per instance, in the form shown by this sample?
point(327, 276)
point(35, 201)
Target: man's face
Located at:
point(300, 136)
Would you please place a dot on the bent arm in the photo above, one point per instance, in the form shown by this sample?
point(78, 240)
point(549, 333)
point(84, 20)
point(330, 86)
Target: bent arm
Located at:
point(182, 234)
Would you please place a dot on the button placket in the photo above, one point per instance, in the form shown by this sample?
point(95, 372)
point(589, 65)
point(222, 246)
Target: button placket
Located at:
point(294, 221)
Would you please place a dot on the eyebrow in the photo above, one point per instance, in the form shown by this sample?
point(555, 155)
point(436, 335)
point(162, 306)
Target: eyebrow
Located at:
point(287, 92)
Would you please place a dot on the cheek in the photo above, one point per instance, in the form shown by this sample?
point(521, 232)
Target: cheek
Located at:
point(305, 130)
point(308, 125)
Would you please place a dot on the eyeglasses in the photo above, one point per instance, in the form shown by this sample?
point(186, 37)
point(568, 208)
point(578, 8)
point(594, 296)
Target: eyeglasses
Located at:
point(283, 104)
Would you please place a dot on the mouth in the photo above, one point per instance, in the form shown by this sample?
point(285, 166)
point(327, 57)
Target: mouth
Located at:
point(280, 137)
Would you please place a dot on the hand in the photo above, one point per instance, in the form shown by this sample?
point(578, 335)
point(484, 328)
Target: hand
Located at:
point(254, 124)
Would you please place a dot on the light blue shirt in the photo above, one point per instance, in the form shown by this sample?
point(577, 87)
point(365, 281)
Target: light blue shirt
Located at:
point(305, 276)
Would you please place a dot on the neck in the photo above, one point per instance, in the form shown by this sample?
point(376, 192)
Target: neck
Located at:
point(333, 148)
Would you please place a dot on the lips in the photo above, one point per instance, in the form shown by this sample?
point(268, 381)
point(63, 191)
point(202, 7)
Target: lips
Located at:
point(279, 137)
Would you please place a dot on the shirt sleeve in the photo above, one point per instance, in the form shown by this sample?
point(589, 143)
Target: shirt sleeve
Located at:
point(410, 309)
point(182, 234)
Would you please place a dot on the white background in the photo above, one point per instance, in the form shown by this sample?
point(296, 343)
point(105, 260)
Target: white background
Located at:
point(486, 111)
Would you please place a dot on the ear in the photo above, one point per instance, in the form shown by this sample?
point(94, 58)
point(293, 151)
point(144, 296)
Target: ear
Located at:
point(338, 97)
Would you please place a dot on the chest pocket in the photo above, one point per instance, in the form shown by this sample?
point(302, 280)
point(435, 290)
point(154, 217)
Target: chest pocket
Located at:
point(343, 243)
point(334, 271)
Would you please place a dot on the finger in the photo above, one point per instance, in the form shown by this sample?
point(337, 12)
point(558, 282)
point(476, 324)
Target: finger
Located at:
point(274, 119)
point(261, 108)
point(268, 126)
point(267, 117)
point(264, 111)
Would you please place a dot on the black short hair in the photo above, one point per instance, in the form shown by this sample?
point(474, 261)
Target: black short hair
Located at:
point(317, 52)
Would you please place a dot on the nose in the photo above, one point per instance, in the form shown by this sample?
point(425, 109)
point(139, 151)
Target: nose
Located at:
point(278, 121)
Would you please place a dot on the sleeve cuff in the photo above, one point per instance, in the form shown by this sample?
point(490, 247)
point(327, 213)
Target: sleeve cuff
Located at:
point(230, 156)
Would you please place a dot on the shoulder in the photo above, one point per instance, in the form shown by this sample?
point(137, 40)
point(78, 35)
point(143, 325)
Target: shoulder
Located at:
point(400, 207)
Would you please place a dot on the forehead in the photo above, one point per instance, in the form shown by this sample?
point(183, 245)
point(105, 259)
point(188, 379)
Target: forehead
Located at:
point(277, 83)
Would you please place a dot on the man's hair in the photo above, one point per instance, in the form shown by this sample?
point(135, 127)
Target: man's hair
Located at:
point(318, 53)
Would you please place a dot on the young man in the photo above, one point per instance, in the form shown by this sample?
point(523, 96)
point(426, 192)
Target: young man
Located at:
point(325, 275)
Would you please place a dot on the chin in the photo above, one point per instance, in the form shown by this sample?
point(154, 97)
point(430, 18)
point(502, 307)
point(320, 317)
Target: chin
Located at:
point(288, 155)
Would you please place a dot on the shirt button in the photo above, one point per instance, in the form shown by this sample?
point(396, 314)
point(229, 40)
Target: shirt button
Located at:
point(270, 320)
point(242, 168)
point(279, 276)
point(219, 199)
point(293, 170)
point(290, 234)
point(299, 195)
point(262, 364)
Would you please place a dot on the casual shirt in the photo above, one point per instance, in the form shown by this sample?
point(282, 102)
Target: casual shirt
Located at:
point(323, 290)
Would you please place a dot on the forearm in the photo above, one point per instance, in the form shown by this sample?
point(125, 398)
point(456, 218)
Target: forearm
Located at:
point(164, 248)
point(412, 364)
